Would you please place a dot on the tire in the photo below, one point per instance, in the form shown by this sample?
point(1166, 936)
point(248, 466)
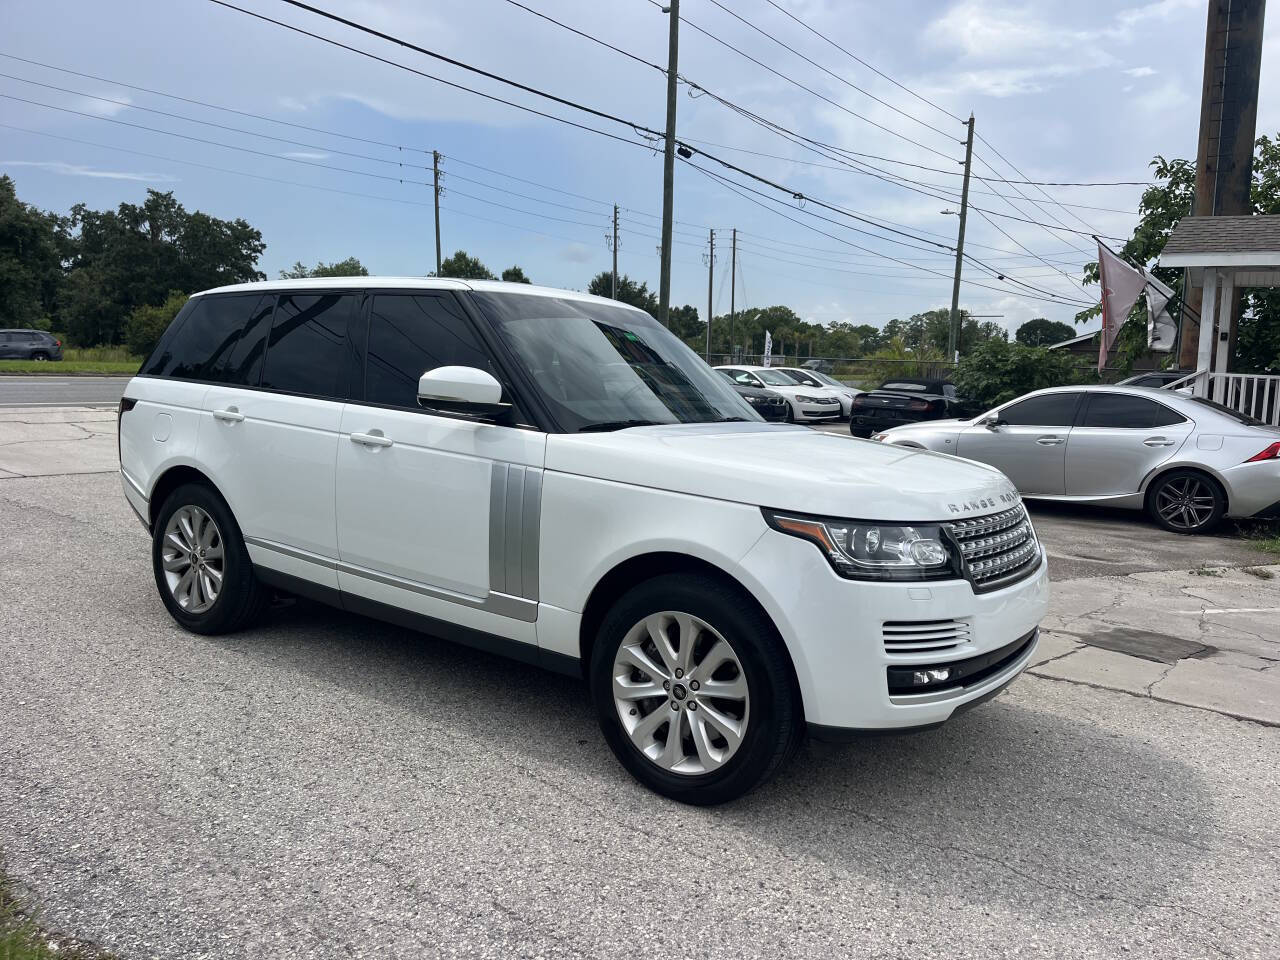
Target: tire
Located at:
point(792, 415)
point(183, 521)
point(39, 355)
point(1186, 501)
point(705, 767)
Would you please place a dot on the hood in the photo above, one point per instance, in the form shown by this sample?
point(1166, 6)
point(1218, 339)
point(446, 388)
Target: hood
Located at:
point(950, 425)
point(788, 468)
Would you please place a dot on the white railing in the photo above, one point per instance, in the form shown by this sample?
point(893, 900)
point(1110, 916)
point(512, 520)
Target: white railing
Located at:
point(1255, 394)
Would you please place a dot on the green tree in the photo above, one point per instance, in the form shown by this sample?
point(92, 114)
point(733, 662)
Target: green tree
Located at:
point(31, 250)
point(465, 267)
point(514, 274)
point(686, 325)
point(1042, 332)
point(350, 267)
point(996, 371)
point(143, 328)
point(629, 291)
point(135, 255)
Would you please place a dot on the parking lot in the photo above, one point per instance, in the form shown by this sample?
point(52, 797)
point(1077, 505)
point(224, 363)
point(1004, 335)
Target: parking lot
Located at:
point(327, 785)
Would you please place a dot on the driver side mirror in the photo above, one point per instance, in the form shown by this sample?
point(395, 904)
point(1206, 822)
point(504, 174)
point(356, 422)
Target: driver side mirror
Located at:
point(992, 422)
point(462, 391)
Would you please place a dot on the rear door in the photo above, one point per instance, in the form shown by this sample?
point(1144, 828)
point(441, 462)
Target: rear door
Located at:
point(436, 514)
point(1121, 437)
point(270, 428)
point(1028, 443)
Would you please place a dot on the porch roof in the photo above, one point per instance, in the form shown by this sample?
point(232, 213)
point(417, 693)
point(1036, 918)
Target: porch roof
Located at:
point(1244, 241)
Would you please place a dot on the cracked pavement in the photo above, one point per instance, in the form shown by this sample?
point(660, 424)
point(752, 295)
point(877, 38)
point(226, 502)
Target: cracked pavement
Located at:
point(326, 785)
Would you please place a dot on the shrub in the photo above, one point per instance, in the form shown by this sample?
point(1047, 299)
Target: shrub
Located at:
point(143, 328)
point(996, 371)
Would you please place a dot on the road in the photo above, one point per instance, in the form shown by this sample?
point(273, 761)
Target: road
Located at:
point(326, 786)
point(60, 391)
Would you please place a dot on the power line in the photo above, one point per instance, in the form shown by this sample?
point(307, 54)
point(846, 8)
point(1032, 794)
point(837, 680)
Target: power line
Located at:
point(795, 83)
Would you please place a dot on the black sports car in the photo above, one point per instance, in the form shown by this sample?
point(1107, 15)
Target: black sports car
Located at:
point(902, 400)
point(770, 405)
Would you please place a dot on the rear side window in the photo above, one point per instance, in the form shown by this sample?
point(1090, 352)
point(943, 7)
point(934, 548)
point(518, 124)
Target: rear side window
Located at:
point(244, 364)
point(1052, 410)
point(409, 335)
point(201, 338)
point(307, 350)
point(1124, 411)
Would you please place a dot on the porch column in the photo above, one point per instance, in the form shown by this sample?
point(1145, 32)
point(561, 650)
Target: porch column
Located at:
point(1222, 349)
point(1208, 311)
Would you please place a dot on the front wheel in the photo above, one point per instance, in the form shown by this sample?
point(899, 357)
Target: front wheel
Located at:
point(694, 691)
point(201, 564)
point(1186, 501)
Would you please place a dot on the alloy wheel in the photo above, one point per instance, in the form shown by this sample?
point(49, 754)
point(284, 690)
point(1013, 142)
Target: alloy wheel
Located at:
point(1185, 502)
point(681, 693)
point(193, 559)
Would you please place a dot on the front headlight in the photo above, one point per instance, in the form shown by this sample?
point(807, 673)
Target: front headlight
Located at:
point(754, 400)
point(866, 550)
point(805, 399)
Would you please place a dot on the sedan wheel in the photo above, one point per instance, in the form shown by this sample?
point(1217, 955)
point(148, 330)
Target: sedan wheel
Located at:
point(1186, 502)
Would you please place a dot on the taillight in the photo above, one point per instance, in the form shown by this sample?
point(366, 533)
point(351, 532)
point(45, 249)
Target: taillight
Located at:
point(924, 405)
point(1271, 453)
point(57, 343)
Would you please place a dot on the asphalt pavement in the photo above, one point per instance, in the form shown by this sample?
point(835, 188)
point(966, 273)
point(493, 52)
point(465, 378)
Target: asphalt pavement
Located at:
point(60, 391)
point(329, 786)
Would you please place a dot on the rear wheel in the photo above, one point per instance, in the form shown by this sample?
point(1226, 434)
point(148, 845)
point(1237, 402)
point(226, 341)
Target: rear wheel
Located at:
point(39, 355)
point(694, 691)
point(1186, 501)
point(201, 565)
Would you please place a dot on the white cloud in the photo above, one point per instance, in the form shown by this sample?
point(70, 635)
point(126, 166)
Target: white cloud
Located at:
point(1140, 72)
point(79, 170)
point(305, 155)
point(577, 253)
point(102, 108)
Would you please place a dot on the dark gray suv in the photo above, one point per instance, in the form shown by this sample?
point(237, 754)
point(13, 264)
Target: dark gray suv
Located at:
point(29, 345)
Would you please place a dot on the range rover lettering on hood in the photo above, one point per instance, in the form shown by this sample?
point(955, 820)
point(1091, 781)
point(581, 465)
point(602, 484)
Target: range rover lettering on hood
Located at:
point(984, 503)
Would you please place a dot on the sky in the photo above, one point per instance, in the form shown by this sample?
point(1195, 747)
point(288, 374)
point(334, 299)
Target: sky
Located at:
point(1083, 92)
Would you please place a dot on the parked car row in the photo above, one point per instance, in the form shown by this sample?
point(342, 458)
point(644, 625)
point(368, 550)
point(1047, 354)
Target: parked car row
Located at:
point(1187, 461)
point(809, 395)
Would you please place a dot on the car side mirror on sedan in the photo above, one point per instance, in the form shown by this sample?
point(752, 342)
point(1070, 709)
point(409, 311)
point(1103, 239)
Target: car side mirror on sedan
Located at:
point(462, 391)
point(992, 422)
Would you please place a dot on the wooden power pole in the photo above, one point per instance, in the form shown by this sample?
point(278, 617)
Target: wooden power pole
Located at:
point(1228, 123)
point(435, 176)
point(953, 338)
point(669, 167)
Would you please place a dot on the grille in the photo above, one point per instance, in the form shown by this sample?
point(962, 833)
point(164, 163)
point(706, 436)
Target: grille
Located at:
point(998, 548)
point(909, 636)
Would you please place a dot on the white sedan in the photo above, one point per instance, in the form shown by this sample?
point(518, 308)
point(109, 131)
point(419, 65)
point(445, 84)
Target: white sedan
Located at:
point(806, 403)
point(821, 381)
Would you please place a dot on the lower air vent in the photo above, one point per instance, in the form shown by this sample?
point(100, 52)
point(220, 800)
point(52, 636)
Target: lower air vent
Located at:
point(909, 636)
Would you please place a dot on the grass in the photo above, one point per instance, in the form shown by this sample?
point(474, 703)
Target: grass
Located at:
point(22, 938)
point(100, 360)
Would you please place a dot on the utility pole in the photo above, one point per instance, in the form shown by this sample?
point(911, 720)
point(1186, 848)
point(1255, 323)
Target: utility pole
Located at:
point(953, 339)
point(733, 289)
point(1224, 154)
point(614, 294)
point(711, 270)
point(435, 173)
point(669, 167)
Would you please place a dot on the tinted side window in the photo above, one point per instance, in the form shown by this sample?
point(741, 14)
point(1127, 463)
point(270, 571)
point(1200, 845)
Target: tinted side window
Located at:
point(165, 356)
point(409, 335)
point(1122, 410)
point(1052, 410)
point(307, 350)
point(244, 364)
point(199, 349)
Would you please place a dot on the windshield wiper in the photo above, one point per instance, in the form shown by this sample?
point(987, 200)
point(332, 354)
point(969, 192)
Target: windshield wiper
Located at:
point(615, 425)
point(732, 420)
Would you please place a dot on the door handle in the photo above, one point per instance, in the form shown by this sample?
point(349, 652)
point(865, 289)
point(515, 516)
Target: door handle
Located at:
point(1049, 441)
point(1157, 442)
point(230, 415)
point(371, 440)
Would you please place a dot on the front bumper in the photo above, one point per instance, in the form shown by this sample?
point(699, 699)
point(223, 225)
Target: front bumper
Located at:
point(818, 411)
point(834, 630)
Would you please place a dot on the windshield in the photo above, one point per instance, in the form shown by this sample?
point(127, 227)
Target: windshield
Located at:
point(804, 377)
point(776, 378)
point(601, 367)
point(823, 378)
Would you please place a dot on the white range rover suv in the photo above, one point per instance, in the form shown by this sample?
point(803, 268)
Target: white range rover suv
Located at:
point(557, 478)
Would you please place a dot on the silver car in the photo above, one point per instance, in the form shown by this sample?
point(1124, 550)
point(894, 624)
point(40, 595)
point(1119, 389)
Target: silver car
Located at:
point(1187, 461)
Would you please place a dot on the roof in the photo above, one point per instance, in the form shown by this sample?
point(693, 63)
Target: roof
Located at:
point(410, 283)
point(1073, 341)
point(1243, 241)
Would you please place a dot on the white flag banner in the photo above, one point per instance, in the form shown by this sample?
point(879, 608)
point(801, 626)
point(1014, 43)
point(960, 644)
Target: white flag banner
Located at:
point(768, 347)
point(1162, 330)
point(1121, 287)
